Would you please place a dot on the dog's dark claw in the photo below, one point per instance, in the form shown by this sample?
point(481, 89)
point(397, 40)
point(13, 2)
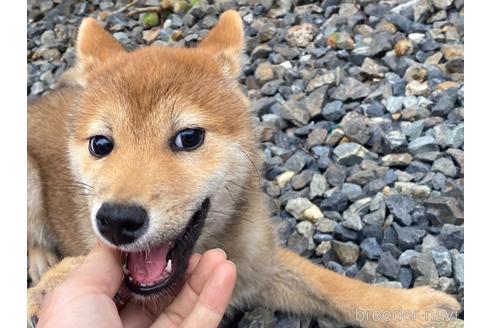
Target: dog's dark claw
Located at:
point(34, 321)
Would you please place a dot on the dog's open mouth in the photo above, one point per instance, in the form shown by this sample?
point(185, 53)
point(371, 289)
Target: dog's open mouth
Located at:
point(160, 268)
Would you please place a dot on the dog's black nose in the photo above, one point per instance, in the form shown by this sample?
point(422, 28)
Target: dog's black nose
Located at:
point(121, 224)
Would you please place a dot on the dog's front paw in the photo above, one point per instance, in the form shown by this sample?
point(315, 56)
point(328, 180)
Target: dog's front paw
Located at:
point(40, 261)
point(48, 282)
point(429, 308)
point(436, 306)
point(35, 296)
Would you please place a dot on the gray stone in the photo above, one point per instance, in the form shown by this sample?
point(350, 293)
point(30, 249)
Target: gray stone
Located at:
point(346, 252)
point(368, 272)
point(321, 80)
point(413, 130)
point(443, 261)
point(362, 177)
point(375, 218)
point(374, 109)
point(394, 140)
point(335, 174)
point(447, 285)
point(361, 206)
point(350, 153)
point(422, 145)
point(323, 248)
point(394, 104)
point(451, 236)
point(419, 192)
point(271, 87)
point(352, 191)
point(334, 137)
point(352, 221)
point(401, 207)
point(318, 186)
point(459, 157)
point(296, 162)
point(297, 206)
point(458, 267)
point(48, 39)
point(295, 112)
point(423, 265)
point(429, 243)
point(350, 88)
point(408, 237)
point(326, 225)
point(456, 137)
point(261, 51)
point(337, 201)
point(370, 248)
point(388, 266)
point(442, 4)
point(444, 210)
point(371, 69)
point(306, 229)
point(300, 35)
point(301, 180)
point(445, 166)
point(333, 111)
point(355, 127)
point(422, 10)
point(405, 277)
point(444, 102)
point(401, 159)
point(316, 137)
point(314, 102)
point(37, 88)
point(373, 45)
point(407, 256)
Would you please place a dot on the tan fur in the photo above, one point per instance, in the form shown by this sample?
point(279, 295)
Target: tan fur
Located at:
point(142, 99)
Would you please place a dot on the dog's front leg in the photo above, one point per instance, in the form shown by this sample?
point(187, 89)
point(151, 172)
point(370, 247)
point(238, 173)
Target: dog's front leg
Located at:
point(40, 240)
point(301, 287)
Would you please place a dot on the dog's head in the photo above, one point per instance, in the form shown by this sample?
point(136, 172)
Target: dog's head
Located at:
point(157, 136)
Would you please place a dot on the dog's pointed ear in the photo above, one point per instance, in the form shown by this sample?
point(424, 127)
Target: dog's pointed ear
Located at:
point(95, 45)
point(225, 41)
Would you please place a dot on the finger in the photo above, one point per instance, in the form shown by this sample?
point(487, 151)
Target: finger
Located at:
point(189, 294)
point(136, 315)
point(192, 263)
point(101, 271)
point(208, 262)
point(214, 298)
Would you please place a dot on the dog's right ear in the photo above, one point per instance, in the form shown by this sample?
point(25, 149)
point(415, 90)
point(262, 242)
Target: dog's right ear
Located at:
point(95, 45)
point(225, 42)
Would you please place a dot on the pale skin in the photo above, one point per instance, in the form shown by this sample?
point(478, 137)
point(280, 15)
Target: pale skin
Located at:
point(85, 299)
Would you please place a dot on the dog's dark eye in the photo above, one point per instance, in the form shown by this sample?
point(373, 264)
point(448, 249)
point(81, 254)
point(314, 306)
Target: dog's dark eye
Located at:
point(100, 146)
point(189, 139)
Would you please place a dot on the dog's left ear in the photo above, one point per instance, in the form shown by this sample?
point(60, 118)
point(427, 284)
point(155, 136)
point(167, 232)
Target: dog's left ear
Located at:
point(225, 42)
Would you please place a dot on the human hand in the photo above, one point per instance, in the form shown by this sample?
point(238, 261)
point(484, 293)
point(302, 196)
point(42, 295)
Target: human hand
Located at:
point(85, 299)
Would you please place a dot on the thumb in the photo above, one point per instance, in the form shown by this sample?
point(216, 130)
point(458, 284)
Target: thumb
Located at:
point(100, 270)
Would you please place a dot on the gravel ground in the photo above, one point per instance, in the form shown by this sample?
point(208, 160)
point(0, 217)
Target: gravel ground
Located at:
point(360, 109)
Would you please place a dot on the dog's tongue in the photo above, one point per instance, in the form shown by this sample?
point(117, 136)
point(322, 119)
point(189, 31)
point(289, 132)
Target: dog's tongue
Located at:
point(148, 267)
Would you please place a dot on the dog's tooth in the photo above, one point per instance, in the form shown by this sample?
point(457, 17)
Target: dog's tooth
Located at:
point(169, 266)
point(130, 278)
point(125, 270)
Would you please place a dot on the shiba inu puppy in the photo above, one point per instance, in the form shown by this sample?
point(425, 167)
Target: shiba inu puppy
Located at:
point(154, 152)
